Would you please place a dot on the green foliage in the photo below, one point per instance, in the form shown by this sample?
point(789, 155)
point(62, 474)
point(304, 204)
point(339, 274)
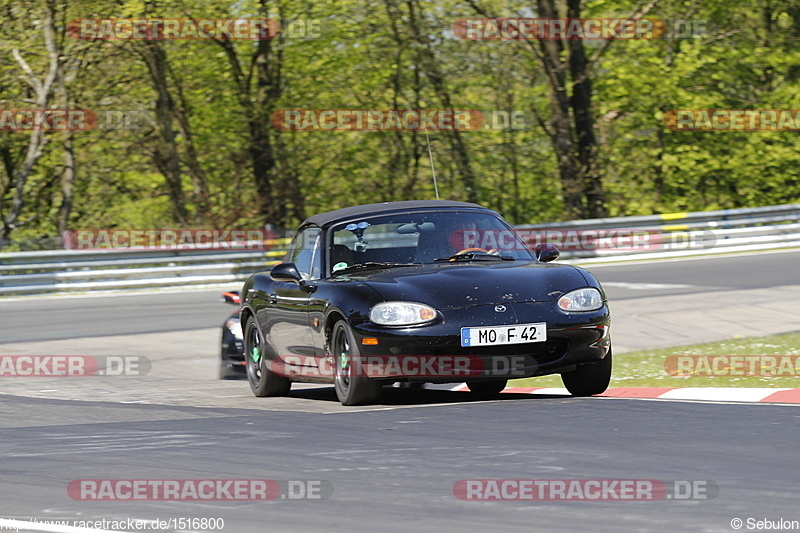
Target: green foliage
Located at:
point(367, 57)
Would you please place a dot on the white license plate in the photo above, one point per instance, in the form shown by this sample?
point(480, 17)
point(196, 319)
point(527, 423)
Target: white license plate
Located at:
point(501, 335)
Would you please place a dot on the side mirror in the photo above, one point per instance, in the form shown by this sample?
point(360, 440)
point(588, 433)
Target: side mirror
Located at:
point(286, 272)
point(546, 252)
point(231, 297)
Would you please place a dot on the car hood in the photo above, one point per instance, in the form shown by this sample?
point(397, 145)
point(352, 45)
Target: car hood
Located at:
point(456, 285)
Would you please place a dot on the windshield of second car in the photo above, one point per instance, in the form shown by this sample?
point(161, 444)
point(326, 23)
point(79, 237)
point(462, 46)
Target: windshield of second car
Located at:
point(422, 237)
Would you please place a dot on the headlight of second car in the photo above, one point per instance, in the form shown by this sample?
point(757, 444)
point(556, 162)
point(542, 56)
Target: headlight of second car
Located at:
point(236, 327)
point(588, 299)
point(401, 313)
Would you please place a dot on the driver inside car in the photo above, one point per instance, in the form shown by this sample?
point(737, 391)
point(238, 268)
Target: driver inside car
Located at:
point(450, 237)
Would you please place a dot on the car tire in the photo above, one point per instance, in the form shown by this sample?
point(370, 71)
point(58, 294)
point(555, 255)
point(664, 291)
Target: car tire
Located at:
point(262, 380)
point(590, 379)
point(350, 389)
point(487, 388)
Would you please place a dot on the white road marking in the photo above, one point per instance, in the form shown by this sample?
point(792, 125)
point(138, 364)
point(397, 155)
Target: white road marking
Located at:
point(741, 394)
point(645, 286)
point(553, 390)
point(617, 263)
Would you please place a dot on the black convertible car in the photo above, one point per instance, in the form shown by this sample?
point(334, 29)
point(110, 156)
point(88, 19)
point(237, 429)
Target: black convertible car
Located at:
point(421, 291)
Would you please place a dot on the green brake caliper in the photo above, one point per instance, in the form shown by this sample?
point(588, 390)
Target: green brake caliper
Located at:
point(255, 355)
point(343, 361)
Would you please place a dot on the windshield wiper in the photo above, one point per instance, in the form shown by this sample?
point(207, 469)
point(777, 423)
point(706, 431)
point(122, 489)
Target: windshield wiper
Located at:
point(475, 256)
point(372, 265)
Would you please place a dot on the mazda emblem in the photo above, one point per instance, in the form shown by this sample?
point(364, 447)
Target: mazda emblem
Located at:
point(500, 308)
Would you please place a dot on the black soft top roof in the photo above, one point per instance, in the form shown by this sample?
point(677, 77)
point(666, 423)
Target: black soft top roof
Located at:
point(385, 207)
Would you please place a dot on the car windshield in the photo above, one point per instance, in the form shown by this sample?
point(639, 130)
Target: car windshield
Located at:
point(423, 237)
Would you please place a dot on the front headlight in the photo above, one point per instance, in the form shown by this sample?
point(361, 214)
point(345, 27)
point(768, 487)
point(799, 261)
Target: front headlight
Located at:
point(588, 299)
point(401, 313)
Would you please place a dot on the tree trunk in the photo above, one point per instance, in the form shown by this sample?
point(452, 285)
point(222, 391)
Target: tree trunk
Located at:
point(43, 91)
point(581, 102)
point(561, 134)
point(576, 152)
point(428, 62)
point(258, 101)
point(200, 193)
point(68, 174)
point(166, 156)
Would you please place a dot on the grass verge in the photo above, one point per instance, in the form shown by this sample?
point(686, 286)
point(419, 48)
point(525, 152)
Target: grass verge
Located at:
point(647, 368)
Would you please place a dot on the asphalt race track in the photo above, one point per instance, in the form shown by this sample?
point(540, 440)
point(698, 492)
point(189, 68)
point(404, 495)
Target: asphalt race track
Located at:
point(394, 469)
point(391, 467)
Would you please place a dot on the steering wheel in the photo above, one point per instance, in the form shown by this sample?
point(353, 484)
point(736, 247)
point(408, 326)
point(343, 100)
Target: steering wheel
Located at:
point(465, 250)
point(475, 249)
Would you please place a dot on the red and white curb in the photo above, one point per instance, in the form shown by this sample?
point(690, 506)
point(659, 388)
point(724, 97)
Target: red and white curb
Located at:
point(711, 394)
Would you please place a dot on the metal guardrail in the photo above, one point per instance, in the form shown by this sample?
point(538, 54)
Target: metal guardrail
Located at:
point(669, 235)
point(77, 271)
point(677, 234)
point(745, 216)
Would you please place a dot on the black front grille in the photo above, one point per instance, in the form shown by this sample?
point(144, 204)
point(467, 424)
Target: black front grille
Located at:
point(542, 352)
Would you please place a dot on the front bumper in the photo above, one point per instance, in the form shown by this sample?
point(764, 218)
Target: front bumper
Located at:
point(573, 339)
